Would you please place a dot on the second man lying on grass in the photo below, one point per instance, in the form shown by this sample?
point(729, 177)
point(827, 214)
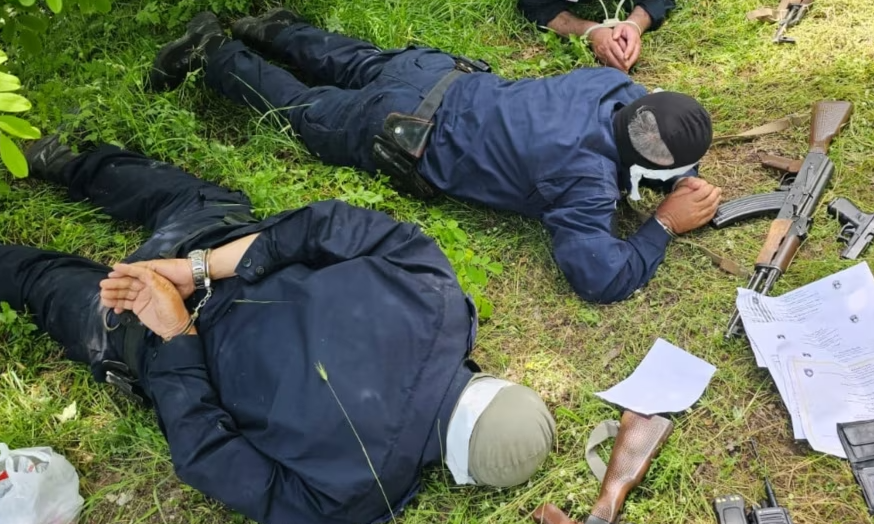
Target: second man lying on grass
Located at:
point(304, 368)
point(561, 149)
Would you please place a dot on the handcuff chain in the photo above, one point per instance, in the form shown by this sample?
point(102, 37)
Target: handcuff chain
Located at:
point(202, 303)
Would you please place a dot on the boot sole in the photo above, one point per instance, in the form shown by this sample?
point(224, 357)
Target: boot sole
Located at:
point(159, 80)
point(238, 32)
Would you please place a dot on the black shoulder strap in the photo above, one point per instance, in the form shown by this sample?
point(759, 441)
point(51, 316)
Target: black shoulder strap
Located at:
point(432, 100)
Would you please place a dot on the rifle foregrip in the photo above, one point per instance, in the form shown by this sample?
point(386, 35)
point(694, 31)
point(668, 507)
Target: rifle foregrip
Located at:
point(788, 165)
point(639, 440)
point(828, 118)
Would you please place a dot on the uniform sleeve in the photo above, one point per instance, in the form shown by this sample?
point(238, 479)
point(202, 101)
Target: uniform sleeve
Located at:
point(600, 267)
point(330, 232)
point(207, 451)
point(657, 10)
point(541, 12)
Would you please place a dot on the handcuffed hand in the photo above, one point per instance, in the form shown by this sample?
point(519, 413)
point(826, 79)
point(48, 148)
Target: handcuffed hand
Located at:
point(151, 297)
point(176, 270)
point(692, 204)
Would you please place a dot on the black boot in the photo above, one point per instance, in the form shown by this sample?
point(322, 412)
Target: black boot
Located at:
point(47, 157)
point(259, 32)
point(175, 60)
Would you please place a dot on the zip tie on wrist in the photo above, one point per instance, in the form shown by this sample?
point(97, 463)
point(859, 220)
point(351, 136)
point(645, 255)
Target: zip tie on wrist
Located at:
point(632, 22)
point(589, 30)
point(610, 24)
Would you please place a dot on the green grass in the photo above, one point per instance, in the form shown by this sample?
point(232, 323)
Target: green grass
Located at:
point(540, 334)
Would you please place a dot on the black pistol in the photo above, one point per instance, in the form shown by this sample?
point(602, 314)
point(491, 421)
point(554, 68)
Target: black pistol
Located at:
point(857, 227)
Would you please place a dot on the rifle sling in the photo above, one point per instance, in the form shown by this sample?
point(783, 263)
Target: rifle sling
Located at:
point(602, 433)
point(724, 263)
point(781, 124)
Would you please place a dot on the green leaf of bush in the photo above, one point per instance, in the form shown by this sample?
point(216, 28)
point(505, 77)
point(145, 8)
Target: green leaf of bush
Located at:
point(9, 82)
point(477, 275)
point(30, 42)
point(12, 157)
point(12, 103)
point(27, 3)
point(496, 268)
point(55, 5)
point(18, 127)
point(36, 24)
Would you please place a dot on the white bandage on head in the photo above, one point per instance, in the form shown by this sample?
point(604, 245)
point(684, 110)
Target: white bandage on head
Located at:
point(473, 402)
point(638, 173)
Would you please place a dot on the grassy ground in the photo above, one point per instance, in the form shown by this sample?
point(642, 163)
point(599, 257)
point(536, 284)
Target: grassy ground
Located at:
point(540, 333)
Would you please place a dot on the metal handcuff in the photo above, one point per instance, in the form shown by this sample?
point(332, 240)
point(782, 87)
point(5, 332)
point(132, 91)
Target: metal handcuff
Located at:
point(200, 271)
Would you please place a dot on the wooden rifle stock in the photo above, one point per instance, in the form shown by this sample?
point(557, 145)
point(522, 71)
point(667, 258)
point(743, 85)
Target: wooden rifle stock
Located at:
point(829, 116)
point(639, 440)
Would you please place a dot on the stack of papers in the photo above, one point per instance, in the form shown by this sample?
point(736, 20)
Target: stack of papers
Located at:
point(818, 344)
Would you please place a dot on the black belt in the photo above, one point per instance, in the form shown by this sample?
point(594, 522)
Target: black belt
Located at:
point(396, 152)
point(124, 374)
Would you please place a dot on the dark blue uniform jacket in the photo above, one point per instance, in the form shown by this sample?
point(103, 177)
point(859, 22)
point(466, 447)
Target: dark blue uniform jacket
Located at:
point(544, 148)
point(250, 420)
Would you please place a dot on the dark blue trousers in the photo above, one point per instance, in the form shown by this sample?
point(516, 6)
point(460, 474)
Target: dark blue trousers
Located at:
point(358, 85)
point(62, 290)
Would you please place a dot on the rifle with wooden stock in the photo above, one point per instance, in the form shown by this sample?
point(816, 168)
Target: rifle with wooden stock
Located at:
point(638, 442)
point(794, 203)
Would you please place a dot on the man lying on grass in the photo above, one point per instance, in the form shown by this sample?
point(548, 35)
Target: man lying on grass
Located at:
point(561, 149)
point(617, 46)
point(304, 368)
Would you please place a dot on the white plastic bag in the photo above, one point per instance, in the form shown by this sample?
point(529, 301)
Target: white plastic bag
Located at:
point(38, 487)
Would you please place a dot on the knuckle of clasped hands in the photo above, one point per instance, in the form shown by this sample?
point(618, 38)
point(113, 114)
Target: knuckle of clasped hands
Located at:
point(691, 205)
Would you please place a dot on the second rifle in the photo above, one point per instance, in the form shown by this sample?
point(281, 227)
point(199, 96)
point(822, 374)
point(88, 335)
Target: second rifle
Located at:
point(639, 440)
point(794, 204)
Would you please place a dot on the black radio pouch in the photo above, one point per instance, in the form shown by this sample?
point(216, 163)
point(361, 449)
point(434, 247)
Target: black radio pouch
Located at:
point(857, 438)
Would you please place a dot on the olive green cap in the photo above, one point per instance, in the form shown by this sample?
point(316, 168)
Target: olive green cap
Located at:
point(511, 438)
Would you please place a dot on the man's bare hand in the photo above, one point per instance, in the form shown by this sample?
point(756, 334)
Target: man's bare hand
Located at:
point(691, 205)
point(628, 38)
point(607, 49)
point(152, 298)
point(176, 270)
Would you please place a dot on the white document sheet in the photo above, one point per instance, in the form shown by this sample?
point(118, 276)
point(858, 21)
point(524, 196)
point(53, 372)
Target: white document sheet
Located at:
point(818, 345)
point(668, 380)
point(830, 392)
